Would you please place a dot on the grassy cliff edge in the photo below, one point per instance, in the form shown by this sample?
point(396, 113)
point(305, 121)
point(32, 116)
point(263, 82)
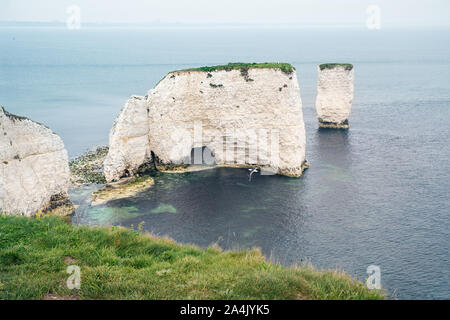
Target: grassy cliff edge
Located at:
point(117, 263)
point(285, 67)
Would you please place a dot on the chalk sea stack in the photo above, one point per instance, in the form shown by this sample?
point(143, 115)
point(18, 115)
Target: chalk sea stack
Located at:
point(334, 95)
point(245, 114)
point(34, 170)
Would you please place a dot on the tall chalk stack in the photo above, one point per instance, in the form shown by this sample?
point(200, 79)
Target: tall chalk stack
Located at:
point(334, 95)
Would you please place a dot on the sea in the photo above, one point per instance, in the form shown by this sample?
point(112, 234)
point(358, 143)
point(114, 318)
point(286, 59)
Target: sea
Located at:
point(377, 194)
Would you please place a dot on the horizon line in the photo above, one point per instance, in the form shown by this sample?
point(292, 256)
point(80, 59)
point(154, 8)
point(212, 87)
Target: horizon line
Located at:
point(161, 24)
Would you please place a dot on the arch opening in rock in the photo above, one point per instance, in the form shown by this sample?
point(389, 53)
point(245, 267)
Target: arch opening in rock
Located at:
point(202, 156)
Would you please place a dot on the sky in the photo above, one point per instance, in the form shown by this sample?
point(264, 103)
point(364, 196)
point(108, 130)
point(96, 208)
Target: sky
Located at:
point(267, 12)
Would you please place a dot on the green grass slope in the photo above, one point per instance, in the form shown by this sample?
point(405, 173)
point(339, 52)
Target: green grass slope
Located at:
point(117, 263)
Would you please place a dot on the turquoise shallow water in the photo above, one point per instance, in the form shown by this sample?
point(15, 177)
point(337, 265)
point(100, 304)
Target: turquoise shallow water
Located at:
point(377, 194)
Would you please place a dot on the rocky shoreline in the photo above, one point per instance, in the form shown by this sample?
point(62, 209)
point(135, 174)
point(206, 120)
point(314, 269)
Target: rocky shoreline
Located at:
point(88, 168)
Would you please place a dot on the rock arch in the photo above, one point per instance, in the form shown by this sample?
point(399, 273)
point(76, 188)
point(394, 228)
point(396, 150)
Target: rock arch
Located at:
point(246, 118)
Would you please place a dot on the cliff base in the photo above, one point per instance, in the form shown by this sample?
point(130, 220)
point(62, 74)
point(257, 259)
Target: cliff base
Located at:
point(59, 205)
point(333, 125)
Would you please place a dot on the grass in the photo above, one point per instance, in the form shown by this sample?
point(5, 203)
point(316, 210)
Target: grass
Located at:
point(285, 67)
point(117, 263)
point(347, 66)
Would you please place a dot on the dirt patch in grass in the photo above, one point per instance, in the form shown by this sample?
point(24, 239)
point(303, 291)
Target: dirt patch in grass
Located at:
point(69, 260)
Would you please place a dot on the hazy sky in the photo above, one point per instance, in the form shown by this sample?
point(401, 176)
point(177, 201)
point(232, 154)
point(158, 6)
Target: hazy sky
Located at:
point(301, 12)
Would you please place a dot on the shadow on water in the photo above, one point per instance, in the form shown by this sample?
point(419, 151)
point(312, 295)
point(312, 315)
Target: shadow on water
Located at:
point(331, 157)
point(336, 142)
point(213, 206)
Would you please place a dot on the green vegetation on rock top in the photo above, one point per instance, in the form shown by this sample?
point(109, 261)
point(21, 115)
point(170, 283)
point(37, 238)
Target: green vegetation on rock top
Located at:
point(14, 116)
point(117, 263)
point(348, 66)
point(285, 67)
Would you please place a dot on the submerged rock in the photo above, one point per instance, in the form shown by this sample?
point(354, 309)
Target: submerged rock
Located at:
point(127, 188)
point(242, 114)
point(34, 170)
point(334, 95)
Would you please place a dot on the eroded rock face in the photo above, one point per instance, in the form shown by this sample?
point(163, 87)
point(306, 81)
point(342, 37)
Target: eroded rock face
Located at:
point(129, 145)
point(34, 171)
point(334, 95)
point(245, 117)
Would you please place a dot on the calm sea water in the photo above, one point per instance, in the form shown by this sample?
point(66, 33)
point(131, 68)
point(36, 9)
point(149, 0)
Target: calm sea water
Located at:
point(377, 194)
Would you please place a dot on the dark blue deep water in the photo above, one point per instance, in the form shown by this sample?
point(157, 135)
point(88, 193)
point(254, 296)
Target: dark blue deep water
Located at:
point(376, 194)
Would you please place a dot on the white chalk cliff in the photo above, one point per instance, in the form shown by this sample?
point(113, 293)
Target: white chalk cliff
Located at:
point(247, 116)
point(34, 170)
point(334, 95)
